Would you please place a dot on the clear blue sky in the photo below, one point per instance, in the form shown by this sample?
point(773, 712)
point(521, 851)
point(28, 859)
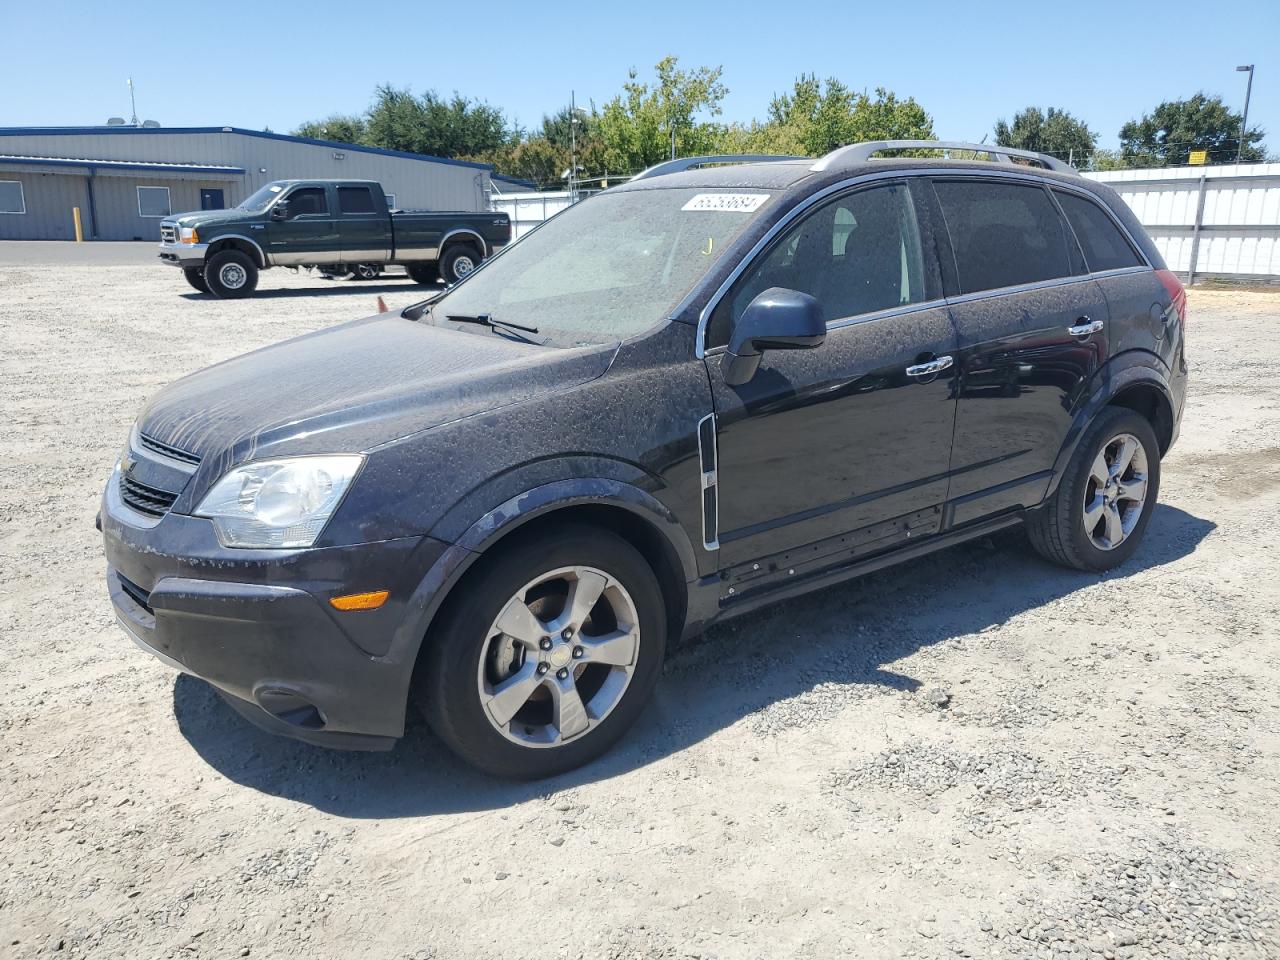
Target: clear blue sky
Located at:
point(968, 63)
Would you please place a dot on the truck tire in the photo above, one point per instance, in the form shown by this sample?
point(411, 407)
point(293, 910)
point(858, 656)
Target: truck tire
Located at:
point(426, 274)
point(231, 275)
point(366, 271)
point(458, 263)
point(195, 277)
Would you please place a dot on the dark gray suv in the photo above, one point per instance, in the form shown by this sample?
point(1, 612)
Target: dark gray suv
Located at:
point(719, 385)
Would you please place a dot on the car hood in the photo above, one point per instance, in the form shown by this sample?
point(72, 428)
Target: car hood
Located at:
point(211, 218)
point(354, 387)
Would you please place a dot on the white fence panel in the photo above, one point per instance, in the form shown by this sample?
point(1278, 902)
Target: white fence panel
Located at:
point(1238, 232)
point(527, 210)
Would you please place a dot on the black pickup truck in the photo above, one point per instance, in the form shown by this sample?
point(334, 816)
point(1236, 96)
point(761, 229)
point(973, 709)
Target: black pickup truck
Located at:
point(340, 226)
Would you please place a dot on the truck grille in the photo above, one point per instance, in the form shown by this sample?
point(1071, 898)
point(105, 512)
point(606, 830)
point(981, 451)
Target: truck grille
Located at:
point(168, 233)
point(167, 450)
point(144, 499)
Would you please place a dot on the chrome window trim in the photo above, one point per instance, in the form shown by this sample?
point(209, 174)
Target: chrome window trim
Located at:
point(1020, 288)
point(899, 311)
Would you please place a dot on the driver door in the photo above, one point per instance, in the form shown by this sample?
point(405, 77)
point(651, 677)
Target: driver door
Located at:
point(840, 450)
point(309, 234)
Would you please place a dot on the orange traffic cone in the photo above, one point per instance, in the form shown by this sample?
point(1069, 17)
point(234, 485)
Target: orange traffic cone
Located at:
point(382, 305)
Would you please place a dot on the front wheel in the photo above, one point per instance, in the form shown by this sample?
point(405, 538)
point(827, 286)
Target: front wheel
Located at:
point(458, 263)
point(195, 277)
point(367, 271)
point(231, 274)
point(548, 656)
point(1100, 511)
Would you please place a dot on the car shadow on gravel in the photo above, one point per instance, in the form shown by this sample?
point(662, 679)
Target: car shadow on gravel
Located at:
point(765, 668)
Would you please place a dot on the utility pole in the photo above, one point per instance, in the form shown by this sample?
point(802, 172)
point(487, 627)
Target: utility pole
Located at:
point(573, 147)
point(133, 104)
point(1244, 120)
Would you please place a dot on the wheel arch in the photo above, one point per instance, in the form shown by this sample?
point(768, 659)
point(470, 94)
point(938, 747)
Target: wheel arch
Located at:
point(237, 242)
point(1134, 380)
point(466, 237)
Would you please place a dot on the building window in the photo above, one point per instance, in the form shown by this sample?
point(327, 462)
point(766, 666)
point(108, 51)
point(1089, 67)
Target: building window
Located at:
point(11, 197)
point(391, 201)
point(153, 201)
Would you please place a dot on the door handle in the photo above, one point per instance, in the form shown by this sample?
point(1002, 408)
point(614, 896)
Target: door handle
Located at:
point(1084, 327)
point(929, 367)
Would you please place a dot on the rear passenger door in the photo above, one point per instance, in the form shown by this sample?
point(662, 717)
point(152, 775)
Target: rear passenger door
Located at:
point(1032, 330)
point(365, 230)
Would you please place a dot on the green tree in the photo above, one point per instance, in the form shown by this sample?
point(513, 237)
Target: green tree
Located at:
point(816, 117)
point(341, 128)
point(1167, 135)
point(1056, 132)
point(636, 127)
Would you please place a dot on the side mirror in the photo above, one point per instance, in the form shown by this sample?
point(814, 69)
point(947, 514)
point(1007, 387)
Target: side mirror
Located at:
point(280, 211)
point(777, 319)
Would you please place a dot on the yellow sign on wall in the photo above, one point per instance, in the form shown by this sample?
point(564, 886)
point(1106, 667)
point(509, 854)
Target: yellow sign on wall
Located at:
point(1198, 158)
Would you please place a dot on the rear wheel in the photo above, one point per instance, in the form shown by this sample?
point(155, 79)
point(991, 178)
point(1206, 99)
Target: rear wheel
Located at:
point(367, 271)
point(458, 263)
point(195, 277)
point(427, 274)
point(549, 655)
point(1100, 511)
point(231, 274)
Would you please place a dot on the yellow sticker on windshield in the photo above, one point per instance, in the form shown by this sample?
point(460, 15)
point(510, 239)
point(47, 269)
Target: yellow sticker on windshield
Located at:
point(711, 245)
point(732, 202)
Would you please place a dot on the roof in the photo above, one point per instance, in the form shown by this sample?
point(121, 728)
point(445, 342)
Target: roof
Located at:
point(261, 134)
point(508, 179)
point(120, 164)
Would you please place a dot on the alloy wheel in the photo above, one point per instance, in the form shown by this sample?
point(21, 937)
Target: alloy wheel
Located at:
point(232, 276)
point(1116, 492)
point(559, 657)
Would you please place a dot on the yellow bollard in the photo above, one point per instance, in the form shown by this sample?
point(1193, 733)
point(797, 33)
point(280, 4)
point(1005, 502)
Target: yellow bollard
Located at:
point(75, 215)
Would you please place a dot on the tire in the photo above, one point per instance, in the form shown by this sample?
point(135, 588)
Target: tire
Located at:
point(366, 271)
point(231, 275)
point(195, 277)
point(465, 665)
point(1087, 525)
point(427, 274)
point(458, 263)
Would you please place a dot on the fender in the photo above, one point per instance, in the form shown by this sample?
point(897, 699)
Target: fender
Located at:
point(458, 557)
point(464, 232)
point(1114, 377)
point(262, 257)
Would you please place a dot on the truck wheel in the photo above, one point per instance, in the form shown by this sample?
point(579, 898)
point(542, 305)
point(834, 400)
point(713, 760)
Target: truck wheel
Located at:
point(549, 655)
point(231, 275)
point(426, 274)
point(458, 263)
point(195, 277)
point(367, 271)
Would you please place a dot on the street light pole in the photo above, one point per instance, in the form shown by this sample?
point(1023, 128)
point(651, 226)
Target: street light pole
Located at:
point(573, 146)
point(1244, 120)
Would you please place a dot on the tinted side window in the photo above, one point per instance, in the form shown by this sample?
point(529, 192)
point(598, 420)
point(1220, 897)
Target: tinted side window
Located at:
point(1105, 247)
point(355, 200)
point(856, 254)
point(307, 200)
point(1003, 234)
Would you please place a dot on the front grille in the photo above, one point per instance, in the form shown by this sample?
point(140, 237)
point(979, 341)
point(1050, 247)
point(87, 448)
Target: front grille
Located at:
point(168, 233)
point(140, 596)
point(167, 450)
point(144, 499)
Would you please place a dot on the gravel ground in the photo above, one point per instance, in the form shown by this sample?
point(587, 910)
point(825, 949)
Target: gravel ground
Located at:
point(976, 754)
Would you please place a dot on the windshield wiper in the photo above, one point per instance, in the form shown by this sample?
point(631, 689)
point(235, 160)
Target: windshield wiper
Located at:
point(487, 321)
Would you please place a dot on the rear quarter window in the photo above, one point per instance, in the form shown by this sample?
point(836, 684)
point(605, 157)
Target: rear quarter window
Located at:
point(1003, 234)
point(1104, 246)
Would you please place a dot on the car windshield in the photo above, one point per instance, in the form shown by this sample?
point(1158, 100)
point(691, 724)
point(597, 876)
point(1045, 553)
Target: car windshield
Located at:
point(609, 267)
point(261, 198)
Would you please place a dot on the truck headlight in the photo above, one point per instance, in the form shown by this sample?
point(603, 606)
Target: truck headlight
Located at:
point(278, 503)
point(188, 235)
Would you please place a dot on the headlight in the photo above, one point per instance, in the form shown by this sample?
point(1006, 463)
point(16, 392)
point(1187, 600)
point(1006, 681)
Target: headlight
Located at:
point(278, 503)
point(188, 235)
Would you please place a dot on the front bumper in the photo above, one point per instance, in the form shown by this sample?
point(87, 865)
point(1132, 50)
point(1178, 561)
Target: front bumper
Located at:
point(258, 626)
point(186, 255)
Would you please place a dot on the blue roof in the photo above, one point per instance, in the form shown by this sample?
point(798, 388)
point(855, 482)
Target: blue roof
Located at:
point(509, 179)
point(134, 131)
point(119, 164)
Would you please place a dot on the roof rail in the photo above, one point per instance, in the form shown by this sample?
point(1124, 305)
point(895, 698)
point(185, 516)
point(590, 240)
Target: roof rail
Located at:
point(862, 152)
point(689, 163)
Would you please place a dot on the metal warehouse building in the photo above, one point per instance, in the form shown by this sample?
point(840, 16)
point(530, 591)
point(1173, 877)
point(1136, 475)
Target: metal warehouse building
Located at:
point(125, 179)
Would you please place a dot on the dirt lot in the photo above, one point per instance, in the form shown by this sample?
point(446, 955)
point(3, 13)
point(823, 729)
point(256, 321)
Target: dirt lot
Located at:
point(1101, 780)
